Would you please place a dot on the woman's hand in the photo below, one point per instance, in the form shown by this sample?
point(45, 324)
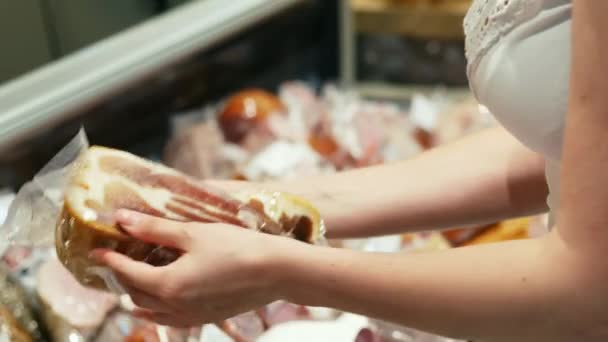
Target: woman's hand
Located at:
point(224, 270)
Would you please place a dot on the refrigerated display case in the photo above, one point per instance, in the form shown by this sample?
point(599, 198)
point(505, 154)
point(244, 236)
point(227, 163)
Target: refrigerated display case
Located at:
point(392, 48)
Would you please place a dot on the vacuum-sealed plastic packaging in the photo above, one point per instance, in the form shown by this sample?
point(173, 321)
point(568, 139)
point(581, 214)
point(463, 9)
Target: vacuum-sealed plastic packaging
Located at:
point(389, 332)
point(17, 320)
point(70, 311)
point(103, 180)
point(73, 199)
point(121, 326)
point(33, 213)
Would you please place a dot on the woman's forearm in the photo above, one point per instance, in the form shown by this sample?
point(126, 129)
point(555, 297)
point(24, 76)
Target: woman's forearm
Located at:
point(484, 178)
point(508, 291)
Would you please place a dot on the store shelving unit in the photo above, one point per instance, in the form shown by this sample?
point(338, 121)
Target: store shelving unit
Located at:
point(436, 21)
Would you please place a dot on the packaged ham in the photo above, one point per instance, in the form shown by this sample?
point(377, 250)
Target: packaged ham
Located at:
point(245, 110)
point(201, 152)
point(104, 180)
point(121, 326)
point(344, 328)
point(17, 320)
point(280, 312)
point(246, 327)
point(461, 119)
point(81, 188)
point(70, 310)
point(390, 332)
point(514, 229)
point(10, 329)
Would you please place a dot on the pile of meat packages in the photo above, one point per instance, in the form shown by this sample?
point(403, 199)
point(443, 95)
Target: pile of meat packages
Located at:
point(257, 135)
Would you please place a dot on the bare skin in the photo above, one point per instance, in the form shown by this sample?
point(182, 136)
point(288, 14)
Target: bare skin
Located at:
point(547, 289)
point(483, 178)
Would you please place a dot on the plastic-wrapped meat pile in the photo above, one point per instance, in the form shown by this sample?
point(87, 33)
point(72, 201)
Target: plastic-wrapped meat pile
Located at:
point(253, 135)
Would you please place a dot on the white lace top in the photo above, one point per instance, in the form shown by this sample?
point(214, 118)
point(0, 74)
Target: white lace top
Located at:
point(518, 55)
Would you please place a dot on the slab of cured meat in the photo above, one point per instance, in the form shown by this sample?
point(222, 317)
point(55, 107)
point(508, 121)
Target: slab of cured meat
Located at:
point(104, 180)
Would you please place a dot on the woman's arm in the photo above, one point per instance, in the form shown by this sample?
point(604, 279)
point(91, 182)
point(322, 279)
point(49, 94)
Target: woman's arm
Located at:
point(550, 289)
point(481, 179)
point(516, 291)
point(527, 290)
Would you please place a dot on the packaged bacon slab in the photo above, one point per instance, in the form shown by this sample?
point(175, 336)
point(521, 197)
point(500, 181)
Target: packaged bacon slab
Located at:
point(104, 180)
point(71, 205)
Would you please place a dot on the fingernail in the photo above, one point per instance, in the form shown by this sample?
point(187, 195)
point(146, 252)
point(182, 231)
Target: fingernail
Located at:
point(127, 217)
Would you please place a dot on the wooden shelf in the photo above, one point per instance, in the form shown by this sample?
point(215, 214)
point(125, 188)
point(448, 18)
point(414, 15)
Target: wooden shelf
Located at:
point(431, 21)
point(405, 92)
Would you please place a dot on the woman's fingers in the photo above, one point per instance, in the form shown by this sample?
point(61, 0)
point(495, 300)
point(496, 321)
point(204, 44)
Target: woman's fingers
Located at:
point(162, 318)
point(147, 302)
point(133, 274)
point(153, 229)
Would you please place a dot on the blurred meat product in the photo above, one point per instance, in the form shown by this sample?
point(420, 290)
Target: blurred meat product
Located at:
point(423, 242)
point(68, 308)
point(322, 140)
point(514, 229)
point(461, 119)
point(123, 327)
point(281, 312)
point(345, 328)
point(304, 108)
point(16, 256)
point(246, 327)
point(368, 335)
point(11, 330)
point(284, 160)
point(17, 320)
point(424, 138)
point(345, 130)
point(104, 180)
point(459, 236)
point(390, 332)
point(245, 110)
point(201, 152)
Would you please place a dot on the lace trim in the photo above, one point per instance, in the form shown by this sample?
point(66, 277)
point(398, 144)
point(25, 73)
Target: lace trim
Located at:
point(489, 20)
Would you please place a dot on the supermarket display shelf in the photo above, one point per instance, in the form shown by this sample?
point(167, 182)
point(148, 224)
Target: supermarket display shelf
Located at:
point(58, 91)
point(440, 21)
point(386, 91)
point(437, 21)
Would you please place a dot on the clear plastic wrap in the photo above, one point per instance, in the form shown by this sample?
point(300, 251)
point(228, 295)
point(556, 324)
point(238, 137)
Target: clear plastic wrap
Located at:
point(81, 188)
point(17, 320)
point(334, 129)
point(389, 332)
point(121, 326)
point(34, 211)
point(69, 310)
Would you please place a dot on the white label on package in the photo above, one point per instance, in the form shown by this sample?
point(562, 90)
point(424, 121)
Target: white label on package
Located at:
point(424, 112)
